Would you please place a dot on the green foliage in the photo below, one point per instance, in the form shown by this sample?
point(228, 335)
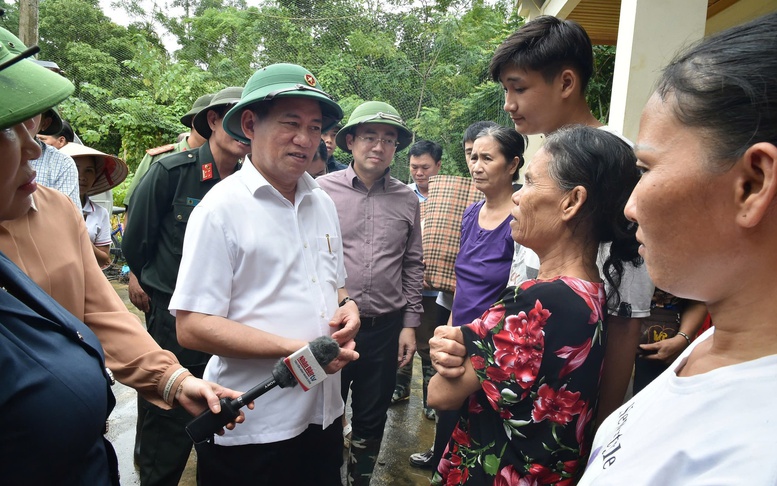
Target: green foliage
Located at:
point(11, 19)
point(428, 58)
point(120, 191)
point(600, 86)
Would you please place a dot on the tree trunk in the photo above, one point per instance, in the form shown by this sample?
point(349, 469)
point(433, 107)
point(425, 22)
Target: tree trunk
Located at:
point(28, 22)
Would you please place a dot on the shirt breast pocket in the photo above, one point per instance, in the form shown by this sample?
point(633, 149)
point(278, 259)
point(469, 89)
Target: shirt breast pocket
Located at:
point(394, 233)
point(181, 214)
point(329, 247)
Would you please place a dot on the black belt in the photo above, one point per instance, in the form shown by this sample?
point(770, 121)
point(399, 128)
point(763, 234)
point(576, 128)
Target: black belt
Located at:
point(380, 320)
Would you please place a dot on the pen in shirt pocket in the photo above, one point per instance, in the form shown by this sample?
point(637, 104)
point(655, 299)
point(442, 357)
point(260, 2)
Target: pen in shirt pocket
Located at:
point(328, 243)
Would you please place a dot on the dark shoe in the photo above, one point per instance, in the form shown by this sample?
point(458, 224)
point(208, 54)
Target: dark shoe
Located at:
point(422, 460)
point(400, 395)
point(429, 413)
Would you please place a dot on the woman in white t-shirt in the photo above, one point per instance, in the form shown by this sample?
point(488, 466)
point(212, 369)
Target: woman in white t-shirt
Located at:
point(707, 212)
point(97, 172)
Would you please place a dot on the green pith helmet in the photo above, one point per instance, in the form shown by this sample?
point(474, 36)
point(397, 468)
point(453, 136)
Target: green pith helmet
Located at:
point(27, 88)
point(198, 105)
point(281, 81)
point(375, 112)
point(225, 97)
point(11, 42)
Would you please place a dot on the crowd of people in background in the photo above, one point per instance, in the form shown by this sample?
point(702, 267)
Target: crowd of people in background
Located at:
point(597, 263)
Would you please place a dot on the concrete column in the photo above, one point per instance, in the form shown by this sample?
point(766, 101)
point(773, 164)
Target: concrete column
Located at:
point(559, 8)
point(529, 9)
point(735, 12)
point(650, 32)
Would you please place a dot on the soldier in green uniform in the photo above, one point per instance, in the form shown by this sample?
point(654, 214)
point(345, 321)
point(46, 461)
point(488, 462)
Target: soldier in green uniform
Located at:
point(136, 294)
point(153, 245)
point(193, 141)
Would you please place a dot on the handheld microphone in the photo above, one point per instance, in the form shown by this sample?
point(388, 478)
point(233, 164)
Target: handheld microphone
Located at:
point(304, 366)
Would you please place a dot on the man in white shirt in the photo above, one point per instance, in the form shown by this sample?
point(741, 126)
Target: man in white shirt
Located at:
point(262, 274)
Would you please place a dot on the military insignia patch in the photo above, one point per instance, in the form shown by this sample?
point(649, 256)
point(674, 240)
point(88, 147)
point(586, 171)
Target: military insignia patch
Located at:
point(207, 171)
point(310, 80)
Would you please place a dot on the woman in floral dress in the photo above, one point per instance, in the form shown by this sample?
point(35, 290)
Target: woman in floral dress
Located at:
point(534, 358)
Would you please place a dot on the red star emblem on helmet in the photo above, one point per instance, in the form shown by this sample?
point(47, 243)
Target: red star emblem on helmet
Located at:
point(310, 80)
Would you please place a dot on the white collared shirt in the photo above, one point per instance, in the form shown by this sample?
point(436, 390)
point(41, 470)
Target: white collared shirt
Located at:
point(253, 257)
point(98, 223)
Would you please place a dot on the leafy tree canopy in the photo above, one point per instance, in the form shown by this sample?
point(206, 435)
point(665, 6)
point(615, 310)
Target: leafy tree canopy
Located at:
point(427, 58)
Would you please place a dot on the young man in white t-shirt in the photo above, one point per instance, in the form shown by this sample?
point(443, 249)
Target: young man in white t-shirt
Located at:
point(544, 68)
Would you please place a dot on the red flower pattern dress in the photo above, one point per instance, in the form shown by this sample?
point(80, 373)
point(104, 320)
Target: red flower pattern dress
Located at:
point(538, 353)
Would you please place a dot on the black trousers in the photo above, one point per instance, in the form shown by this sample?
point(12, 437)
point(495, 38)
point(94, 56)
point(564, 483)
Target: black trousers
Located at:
point(162, 446)
point(312, 458)
point(646, 371)
point(373, 376)
point(443, 430)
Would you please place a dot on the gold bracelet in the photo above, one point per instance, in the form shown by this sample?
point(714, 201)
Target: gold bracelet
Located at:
point(685, 336)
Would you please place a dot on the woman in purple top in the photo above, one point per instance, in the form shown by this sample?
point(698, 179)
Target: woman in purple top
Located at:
point(486, 250)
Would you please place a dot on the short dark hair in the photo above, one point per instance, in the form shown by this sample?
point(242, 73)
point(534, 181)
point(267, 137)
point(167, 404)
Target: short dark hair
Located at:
point(426, 147)
point(220, 110)
point(336, 127)
point(726, 86)
point(511, 143)
point(67, 132)
point(472, 131)
point(547, 45)
point(606, 167)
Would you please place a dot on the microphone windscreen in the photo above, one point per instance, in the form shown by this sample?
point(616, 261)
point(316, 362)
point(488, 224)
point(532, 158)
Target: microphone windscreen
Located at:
point(325, 349)
point(283, 375)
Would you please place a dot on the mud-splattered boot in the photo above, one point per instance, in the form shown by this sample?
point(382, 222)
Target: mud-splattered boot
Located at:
point(402, 388)
point(362, 457)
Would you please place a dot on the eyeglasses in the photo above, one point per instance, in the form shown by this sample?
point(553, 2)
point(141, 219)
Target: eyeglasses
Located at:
point(371, 141)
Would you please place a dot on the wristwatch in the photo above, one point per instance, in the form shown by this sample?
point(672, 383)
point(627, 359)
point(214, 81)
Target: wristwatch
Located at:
point(345, 301)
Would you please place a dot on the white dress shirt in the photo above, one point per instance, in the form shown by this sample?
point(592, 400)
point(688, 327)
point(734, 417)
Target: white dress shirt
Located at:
point(253, 257)
point(98, 223)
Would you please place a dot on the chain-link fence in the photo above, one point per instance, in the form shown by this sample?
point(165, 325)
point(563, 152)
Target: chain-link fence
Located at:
point(429, 60)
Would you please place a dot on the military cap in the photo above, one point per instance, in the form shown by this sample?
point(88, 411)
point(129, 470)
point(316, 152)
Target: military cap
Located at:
point(281, 81)
point(225, 97)
point(375, 112)
point(27, 88)
point(198, 105)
